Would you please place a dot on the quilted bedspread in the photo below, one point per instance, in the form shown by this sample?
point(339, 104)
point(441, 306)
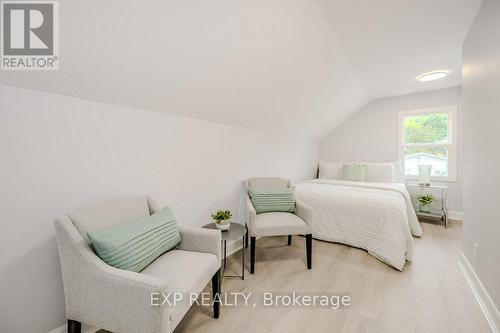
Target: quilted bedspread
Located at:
point(376, 217)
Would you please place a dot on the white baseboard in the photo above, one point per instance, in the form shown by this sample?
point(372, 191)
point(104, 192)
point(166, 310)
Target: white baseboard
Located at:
point(233, 247)
point(64, 329)
point(455, 215)
point(60, 329)
point(487, 306)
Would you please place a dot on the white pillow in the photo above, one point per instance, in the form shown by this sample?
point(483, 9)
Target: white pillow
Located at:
point(399, 172)
point(380, 172)
point(354, 172)
point(330, 170)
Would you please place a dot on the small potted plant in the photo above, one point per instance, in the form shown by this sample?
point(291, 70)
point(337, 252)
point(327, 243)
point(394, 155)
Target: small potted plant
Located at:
point(222, 219)
point(424, 202)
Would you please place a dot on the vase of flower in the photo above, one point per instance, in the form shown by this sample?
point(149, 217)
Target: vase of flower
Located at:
point(424, 203)
point(222, 219)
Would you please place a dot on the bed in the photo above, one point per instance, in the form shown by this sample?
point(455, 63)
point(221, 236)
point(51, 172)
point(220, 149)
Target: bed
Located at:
point(375, 216)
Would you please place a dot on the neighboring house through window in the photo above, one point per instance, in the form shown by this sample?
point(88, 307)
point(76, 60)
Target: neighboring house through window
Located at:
point(429, 136)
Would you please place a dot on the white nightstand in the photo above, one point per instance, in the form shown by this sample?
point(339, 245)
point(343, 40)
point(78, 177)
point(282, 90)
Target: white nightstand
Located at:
point(441, 213)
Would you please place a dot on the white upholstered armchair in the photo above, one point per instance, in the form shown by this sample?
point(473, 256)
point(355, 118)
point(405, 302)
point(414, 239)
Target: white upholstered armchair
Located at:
point(121, 301)
point(277, 223)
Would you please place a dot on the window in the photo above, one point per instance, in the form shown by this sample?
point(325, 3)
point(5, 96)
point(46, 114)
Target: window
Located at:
point(428, 136)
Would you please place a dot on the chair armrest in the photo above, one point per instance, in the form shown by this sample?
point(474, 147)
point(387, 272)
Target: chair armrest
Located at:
point(103, 296)
point(198, 239)
point(250, 215)
point(305, 212)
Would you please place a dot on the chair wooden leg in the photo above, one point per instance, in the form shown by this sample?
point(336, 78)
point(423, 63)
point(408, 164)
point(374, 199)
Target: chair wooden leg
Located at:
point(309, 250)
point(216, 293)
point(74, 326)
point(289, 240)
point(252, 255)
point(246, 239)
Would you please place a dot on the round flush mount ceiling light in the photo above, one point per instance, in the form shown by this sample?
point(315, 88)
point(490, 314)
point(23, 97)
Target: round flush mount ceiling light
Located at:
point(434, 75)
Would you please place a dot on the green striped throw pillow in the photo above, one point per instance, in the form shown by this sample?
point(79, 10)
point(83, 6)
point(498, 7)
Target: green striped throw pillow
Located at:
point(273, 200)
point(134, 245)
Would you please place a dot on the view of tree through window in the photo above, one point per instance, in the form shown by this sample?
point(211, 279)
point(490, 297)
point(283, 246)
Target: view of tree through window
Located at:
point(425, 142)
point(426, 128)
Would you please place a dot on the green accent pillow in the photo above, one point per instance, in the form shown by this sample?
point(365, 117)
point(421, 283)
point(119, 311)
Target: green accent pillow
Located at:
point(134, 245)
point(354, 172)
point(273, 200)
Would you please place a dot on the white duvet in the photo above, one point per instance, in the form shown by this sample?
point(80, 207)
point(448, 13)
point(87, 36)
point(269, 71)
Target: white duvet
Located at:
point(377, 217)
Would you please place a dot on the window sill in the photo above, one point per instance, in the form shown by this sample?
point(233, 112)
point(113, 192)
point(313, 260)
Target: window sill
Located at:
point(433, 179)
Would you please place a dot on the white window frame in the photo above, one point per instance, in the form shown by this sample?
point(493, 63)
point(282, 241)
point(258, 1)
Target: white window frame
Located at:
point(451, 146)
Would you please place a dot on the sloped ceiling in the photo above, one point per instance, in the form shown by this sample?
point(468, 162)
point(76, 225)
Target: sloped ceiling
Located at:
point(390, 42)
point(293, 66)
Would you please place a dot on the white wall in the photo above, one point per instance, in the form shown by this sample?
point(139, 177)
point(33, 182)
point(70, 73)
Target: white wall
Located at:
point(371, 133)
point(59, 153)
point(481, 146)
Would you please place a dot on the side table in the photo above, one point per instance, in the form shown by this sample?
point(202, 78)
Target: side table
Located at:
point(443, 212)
point(235, 231)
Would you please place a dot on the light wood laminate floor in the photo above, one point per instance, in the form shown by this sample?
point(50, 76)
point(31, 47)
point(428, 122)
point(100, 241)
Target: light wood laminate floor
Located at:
point(430, 295)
